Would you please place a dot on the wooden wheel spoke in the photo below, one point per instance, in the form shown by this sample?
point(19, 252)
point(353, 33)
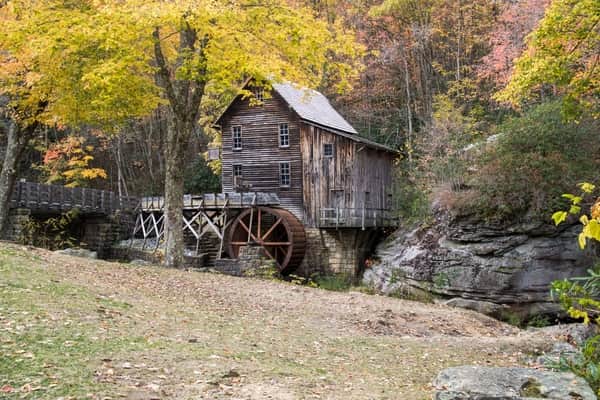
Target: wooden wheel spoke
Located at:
point(276, 230)
point(258, 223)
point(272, 228)
point(274, 258)
point(284, 249)
point(243, 225)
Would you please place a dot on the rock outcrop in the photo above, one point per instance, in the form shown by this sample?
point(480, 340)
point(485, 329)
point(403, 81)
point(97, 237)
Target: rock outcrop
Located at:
point(491, 268)
point(493, 383)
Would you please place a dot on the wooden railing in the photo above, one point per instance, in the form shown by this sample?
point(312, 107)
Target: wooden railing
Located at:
point(53, 198)
point(356, 218)
point(214, 201)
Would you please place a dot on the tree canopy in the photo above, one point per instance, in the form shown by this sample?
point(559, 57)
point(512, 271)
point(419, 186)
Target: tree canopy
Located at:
point(562, 57)
point(93, 61)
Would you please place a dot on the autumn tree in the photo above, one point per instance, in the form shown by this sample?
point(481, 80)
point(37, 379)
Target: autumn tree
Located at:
point(68, 162)
point(180, 50)
point(562, 58)
point(507, 39)
point(52, 74)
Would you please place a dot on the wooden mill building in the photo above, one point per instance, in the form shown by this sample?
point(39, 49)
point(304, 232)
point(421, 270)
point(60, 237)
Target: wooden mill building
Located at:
point(332, 184)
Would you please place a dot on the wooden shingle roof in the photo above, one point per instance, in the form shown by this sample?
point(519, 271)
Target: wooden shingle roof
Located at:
point(312, 106)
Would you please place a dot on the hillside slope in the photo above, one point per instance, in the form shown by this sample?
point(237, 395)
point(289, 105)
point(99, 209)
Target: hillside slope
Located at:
point(78, 328)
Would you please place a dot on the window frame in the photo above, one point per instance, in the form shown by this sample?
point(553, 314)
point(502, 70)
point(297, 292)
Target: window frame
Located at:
point(233, 138)
point(237, 168)
point(284, 133)
point(235, 177)
point(325, 147)
point(282, 174)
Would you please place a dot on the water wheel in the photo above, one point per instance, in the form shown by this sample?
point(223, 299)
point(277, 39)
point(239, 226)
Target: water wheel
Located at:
point(277, 231)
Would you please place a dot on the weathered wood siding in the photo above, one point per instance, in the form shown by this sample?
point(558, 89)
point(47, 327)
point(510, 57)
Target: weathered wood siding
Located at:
point(260, 155)
point(343, 180)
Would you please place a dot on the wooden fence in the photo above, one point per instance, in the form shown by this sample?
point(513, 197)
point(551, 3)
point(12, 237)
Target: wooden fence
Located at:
point(57, 199)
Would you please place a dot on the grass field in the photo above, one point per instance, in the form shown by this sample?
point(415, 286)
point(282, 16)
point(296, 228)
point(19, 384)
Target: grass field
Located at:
point(74, 328)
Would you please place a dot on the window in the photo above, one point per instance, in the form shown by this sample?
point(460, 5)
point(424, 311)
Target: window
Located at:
point(284, 174)
point(284, 135)
point(237, 174)
point(237, 170)
point(328, 150)
point(237, 137)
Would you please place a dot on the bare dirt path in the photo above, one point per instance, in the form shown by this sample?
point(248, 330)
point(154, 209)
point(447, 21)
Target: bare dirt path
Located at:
point(206, 336)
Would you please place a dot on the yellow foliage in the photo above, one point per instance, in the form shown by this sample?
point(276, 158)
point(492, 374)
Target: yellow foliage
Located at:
point(595, 210)
point(93, 61)
point(68, 162)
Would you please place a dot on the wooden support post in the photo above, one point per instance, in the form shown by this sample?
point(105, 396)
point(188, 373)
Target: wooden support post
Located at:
point(363, 217)
point(225, 215)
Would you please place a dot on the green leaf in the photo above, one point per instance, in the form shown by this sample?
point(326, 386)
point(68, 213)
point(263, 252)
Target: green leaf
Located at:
point(581, 239)
point(593, 229)
point(574, 209)
point(559, 217)
point(587, 187)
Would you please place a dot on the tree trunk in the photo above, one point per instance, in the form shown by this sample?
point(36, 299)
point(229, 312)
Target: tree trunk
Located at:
point(17, 141)
point(177, 139)
point(409, 115)
point(184, 96)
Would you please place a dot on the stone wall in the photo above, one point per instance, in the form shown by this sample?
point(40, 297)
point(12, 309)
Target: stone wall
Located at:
point(338, 251)
point(17, 219)
point(251, 258)
point(101, 233)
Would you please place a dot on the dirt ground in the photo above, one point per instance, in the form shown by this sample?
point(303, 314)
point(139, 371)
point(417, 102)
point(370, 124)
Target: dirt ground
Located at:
point(191, 335)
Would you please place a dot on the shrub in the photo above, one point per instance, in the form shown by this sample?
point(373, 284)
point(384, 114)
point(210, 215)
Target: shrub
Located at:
point(200, 178)
point(580, 296)
point(586, 365)
point(537, 157)
point(52, 233)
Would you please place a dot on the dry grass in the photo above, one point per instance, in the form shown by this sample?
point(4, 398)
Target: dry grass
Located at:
point(76, 328)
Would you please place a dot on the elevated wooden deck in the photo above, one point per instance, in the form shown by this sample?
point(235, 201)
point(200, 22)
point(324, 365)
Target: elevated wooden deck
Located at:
point(357, 218)
point(214, 201)
point(54, 199)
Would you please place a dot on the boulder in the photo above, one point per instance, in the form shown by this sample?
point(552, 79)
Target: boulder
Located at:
point(76, 252)
point(496, 383)
point(482, 264)
point(560, 351)
point(575, 334)
point(483, 307)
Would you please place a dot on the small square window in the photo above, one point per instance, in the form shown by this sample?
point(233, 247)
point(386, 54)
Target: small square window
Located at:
point(237, 137)
point(284, 135)
point(328, 150)
point(237, 170)
point(284, 174)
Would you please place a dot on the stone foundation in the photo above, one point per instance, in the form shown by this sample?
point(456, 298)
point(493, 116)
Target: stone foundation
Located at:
point(251, 258)
point(337, 251)
point(101, 233)
point(17, 220)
